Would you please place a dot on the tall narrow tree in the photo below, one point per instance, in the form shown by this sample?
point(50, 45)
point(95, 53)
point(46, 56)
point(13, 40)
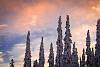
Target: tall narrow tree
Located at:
point(83, 59)
point(51, 56)
point(80, 62)
point(41, 55)
point(97, 47)
point(59, 44)
point(12, 63)
point(67, 42)
point(92, 58)
point(88, 50)
point(27, 59)
point(74, 57)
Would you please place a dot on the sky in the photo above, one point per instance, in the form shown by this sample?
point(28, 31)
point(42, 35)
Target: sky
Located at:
point(40, 17)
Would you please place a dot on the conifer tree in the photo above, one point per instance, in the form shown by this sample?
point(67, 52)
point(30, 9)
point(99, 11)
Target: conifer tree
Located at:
point(67, 47)
point(74, 57)
point(41, 55)
point(51, 56)
point(83, 59)
point(59, 44)
point(88, 50)
point(97, 46)
point(80, 62)
point(92, 58)
point(12, 63)
point(27, 59)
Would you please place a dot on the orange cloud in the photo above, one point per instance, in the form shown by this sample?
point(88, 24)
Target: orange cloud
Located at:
point(3, 25)
point(31, 16)
point(44, 11)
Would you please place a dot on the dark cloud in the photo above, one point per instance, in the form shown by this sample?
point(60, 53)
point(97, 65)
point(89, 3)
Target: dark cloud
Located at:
point(44, 33)
point(7, 42)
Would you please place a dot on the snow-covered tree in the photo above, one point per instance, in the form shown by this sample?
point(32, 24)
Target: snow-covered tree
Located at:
point(51, 56)
point(92, 58)
point(74, 57)
point(59, 44)
point(83, 59)
point(97, 47)
point(88, 50)
point(27, 59)
point(67, 47)
point(41, 55)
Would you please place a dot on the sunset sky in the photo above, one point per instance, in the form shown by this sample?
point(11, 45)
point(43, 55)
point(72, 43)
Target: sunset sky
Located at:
point(40, 17)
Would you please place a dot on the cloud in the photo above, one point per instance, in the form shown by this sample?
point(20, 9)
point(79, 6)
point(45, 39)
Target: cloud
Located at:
point(1, 57)
point(41, 18)
point(4, 65)
point(17, 53)
point(26, 15)
point(3, 25)
point(96, 9)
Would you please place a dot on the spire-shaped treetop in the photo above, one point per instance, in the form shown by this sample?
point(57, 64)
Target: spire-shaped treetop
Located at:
point(51, 46)
point(98, 22)
point(59, 21)
point(88, 40)
point(42, 39)
point(41, 54)
point(68, 34)
point(27, 59)
point(28, 35)
point(83, 51)
point(67, 18)
point(51, 56)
